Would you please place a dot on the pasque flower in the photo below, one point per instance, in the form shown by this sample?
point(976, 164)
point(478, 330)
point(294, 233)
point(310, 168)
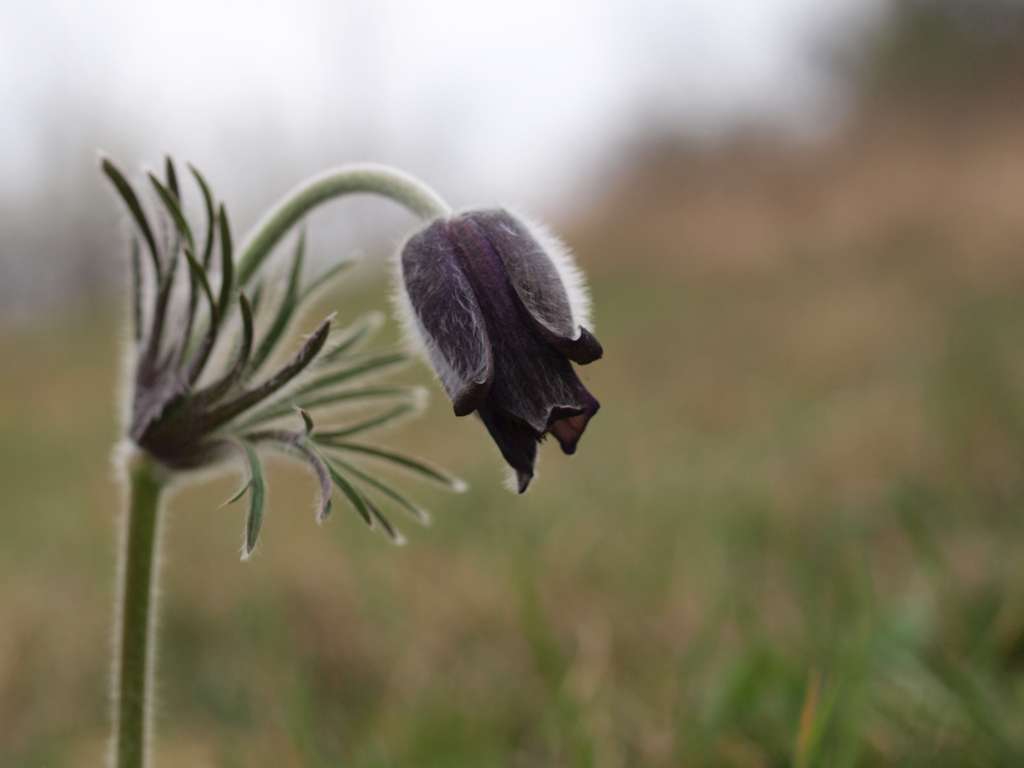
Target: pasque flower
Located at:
point(497, 304)
point(500, 310)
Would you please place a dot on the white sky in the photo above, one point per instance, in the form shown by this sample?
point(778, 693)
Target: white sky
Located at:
point(491, 99)
point(520, 104)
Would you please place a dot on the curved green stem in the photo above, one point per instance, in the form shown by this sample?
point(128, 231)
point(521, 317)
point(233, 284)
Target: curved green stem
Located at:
point(346, 180)
point(133, 671)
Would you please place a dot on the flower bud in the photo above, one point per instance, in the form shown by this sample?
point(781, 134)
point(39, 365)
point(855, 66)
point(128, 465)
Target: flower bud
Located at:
point(500, 309)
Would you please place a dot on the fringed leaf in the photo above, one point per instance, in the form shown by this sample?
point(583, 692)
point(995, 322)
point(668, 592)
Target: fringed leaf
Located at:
point(199, 276)
point(323, 279)
point(413, 465)
point(348, 339)
point(353, 495)
point(232, 376)
point(124, 189)
point(170, 202)
point(223, 299)
point(307, 420)
point(421, 515)
point(204, 188)
point(136, 265)
point(379, 517)
point(171, 175)
point(354, 369)
point(372, 422)
point(246, 400)
point(257, 499)
point(286, 406)
point(204, 259)
point(285, 311)
point(258, 292)
point(159, 319)
point(323, 476)
point(227, 260)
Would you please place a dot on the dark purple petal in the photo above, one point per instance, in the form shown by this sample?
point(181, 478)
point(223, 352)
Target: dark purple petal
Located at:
point(448, 316)
point(584, 349)
point(538, 284)
point(516, 441)
point(531, 376)
point(568, 424)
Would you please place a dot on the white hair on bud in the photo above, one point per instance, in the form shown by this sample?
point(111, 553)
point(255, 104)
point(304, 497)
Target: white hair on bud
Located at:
point(417, 340)
point(413, 335)
point(565, 264)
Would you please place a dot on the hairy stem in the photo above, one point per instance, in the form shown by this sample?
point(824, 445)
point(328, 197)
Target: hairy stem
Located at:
point(346, 180)
point(133, 671)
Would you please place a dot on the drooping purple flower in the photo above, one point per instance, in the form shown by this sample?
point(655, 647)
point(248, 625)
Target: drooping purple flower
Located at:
point(500, 310)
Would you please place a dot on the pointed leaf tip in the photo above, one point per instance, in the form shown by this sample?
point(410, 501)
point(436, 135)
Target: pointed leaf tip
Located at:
point(235, 496)
point(204, 189)
point(127, 193)
point(410, 463)
point(170, 200)
point(227, 259)
point(172, 176)
point(257, 499)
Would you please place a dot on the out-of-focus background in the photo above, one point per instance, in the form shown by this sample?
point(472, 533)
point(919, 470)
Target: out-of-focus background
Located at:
point(793, 534)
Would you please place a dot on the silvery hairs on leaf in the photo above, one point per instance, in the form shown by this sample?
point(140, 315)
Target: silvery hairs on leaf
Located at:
point(500, 310)
point(190, 409)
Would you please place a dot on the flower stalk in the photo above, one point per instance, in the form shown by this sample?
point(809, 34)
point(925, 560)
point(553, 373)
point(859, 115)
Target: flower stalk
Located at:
point(381, 180)
point(136, 601)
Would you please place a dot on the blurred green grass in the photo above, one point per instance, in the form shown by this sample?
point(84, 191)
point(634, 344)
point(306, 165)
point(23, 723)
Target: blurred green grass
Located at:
point(790, 537)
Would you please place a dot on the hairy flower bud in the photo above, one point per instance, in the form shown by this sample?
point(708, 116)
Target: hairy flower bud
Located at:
point(500, 310)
